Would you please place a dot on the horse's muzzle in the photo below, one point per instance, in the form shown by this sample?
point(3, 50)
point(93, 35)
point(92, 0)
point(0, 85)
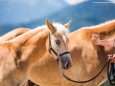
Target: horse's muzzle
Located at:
point(67, 65)
point(66, 61)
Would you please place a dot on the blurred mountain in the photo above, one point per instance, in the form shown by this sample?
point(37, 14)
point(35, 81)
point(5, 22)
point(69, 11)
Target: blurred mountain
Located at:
point(22, 11)
point(85, 14)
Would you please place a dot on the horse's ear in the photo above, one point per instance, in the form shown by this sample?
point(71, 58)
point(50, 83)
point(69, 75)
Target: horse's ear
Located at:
point(50, 26)
point(67, 24)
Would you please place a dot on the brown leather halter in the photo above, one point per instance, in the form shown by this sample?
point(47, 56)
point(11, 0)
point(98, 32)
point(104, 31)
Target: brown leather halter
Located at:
point(51, 49)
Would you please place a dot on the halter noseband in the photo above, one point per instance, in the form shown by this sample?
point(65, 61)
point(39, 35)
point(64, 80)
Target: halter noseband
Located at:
point(51, 49)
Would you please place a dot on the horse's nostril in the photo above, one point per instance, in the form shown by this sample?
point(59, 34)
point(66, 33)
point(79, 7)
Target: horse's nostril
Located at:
point(67, 65)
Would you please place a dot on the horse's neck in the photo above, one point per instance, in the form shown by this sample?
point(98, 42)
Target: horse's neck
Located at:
point(35, 48)
point(12, 34)
point(104, 30)
point(26, 36)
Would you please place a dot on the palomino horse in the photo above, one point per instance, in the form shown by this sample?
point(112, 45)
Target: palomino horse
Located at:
point(87, 58)
point(22, 52)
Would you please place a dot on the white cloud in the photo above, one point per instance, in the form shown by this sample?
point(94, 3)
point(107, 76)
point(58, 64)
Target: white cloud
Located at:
point(113, 1)
point(74, 2)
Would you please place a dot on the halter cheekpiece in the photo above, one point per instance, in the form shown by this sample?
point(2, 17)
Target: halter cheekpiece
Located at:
point(51, 49)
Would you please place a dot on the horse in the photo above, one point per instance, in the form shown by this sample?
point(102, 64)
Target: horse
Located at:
point(23, 51)
point(87, 58)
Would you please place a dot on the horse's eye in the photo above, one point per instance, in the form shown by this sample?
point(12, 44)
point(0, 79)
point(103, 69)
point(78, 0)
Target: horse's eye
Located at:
point(57, 42)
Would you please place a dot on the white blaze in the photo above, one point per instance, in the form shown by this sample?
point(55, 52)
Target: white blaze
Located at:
point(64, 38)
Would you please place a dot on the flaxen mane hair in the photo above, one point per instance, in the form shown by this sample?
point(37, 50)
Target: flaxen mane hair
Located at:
point(59, 27)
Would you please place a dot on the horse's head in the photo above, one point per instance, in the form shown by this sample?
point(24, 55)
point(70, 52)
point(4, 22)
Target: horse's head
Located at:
point(58, 43)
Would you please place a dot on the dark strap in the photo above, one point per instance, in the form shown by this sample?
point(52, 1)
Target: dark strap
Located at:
point(111, 74)
point(85, 81)
point(49, 39)
point(111, 70)
point(64, 53)
point(51, 49)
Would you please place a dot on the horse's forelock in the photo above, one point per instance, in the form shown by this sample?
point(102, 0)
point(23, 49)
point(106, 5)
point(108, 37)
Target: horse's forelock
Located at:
point(62, 30)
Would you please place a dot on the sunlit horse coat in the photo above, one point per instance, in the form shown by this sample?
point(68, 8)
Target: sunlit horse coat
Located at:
point(19, 54)
point(87, 58)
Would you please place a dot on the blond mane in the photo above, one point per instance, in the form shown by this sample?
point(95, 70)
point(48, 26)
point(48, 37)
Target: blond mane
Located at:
point(59, 27)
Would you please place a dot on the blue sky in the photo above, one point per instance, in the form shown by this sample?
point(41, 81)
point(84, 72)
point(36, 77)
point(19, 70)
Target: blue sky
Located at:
point(24, 11)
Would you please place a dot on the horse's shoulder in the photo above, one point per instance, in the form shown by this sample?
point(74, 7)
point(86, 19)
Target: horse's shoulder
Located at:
point(7, 59)
point(8, 48)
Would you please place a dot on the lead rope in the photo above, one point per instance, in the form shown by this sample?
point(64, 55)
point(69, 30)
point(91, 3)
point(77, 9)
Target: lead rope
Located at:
point(85, 81)
point(110, 72)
